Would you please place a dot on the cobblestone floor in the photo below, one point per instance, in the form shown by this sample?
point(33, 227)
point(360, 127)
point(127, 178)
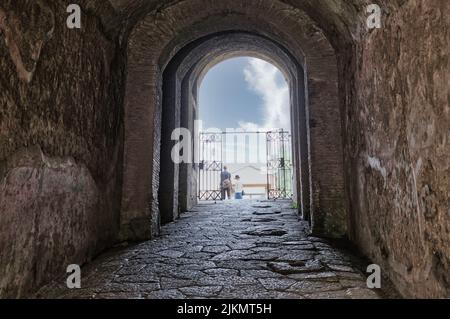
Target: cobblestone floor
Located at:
point(227, 250)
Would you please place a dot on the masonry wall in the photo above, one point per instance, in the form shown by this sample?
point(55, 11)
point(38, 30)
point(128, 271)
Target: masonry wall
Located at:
point(398, 146)
point(60, 142)
point(328, 204)
point(61, 131)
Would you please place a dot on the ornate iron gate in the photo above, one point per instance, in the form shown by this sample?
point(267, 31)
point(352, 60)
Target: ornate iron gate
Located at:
point(279, 165)
point(210, 166)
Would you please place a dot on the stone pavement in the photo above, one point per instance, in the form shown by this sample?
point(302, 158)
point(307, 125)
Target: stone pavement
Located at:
point(244, 249)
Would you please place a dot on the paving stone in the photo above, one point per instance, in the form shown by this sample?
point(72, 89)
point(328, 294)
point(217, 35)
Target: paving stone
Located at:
point(262, 255)
point(342, 268)
point(222, 272)
point(266, 232)
point(200, 265)
point(296, 267)
point(171, 253)
point(193, 249)
point(211, 253)
point(130, 270)
point(348, 283)
point(263, 213)
point(130, 287)
point(242, 245)
point(340, 294)
point(357, 276)
point(297, 256)
point(165, 294)
point(260, 274)
point(306, 247)
point(182, 273)
point(241, 264)
point(137, 278)
point(329, 276)
point(116, 295)
point(234, 254)
point(226, 280)
point(199, 256)
point(277, 283)
point(266, 249)
point(246, 292)
point(285, 295)
point(215, 249)
point(201, 291)
point(170, 283)
point(362, 293)
point(263, 220)
point(311, 286)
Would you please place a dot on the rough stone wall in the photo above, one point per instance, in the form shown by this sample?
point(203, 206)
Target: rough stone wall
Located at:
point(398, 146)
point(60, 125)
point(60, 141)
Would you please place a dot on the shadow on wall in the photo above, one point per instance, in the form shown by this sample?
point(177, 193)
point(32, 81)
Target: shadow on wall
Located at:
point(60, 142)
point(53, 215)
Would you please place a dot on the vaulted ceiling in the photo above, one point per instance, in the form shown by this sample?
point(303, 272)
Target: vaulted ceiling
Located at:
point(340, 20)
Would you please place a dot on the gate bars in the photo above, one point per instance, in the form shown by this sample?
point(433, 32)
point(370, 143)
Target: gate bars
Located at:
point(279, 164)
point(210, 167)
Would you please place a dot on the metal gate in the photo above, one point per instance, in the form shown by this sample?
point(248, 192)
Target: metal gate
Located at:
point(210, 166)
point(278, 164)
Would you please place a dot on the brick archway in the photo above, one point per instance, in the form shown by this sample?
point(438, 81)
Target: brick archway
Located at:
point(149, 54)
point(183, 76)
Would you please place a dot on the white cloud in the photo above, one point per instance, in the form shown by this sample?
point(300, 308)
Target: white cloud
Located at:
point(264, 79)
point(249, 126)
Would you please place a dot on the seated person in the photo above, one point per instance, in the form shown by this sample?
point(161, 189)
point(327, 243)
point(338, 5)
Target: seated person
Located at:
point(238, 188)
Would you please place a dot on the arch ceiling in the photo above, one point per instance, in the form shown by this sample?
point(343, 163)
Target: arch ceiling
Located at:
point(338, 19)
point(219, 47)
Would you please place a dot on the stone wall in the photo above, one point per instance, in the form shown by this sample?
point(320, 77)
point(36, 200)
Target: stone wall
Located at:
point(397, 148)
point(65, 126)
point(60, 141)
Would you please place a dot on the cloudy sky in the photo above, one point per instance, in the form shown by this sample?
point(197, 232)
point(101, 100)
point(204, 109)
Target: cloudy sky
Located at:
point(244, 93)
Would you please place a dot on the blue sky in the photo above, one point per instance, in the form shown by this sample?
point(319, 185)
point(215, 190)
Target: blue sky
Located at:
point(244, 93)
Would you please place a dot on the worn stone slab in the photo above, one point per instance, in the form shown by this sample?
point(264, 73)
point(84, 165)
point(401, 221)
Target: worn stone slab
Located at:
point(228, 264)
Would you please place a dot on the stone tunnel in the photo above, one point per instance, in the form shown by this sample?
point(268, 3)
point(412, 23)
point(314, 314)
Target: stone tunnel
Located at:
point(87, 113)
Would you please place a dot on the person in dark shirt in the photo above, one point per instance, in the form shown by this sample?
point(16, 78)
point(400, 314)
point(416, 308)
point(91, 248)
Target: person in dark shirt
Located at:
point(225, 183)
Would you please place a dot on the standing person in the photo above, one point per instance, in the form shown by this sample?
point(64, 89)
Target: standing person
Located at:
point(225, 183)
point(238, 188)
